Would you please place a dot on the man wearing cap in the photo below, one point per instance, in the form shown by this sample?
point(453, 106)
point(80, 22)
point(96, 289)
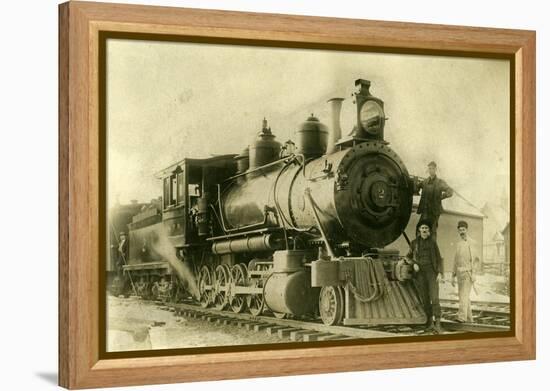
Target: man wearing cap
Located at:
point(463, 270)
point(427, 262)
point(434, 190)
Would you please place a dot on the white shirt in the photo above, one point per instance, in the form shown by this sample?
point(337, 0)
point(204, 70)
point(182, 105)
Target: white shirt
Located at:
point(465, 255)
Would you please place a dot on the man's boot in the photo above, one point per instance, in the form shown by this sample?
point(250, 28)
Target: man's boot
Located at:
point(429, 324)
point(437, 326)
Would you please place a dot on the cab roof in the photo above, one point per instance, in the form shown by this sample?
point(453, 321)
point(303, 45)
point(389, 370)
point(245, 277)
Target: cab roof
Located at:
point(213, 161)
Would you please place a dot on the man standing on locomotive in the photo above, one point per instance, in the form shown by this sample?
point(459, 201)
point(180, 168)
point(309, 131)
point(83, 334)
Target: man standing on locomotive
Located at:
point(434, 190)
point(122, 252)
point(427, 262)
point(463, 270)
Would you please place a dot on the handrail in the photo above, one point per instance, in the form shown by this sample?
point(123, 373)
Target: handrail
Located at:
point(258, 168)
point(319, 225)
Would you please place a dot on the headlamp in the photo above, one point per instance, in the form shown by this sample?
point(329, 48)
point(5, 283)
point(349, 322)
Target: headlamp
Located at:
point(371, 117)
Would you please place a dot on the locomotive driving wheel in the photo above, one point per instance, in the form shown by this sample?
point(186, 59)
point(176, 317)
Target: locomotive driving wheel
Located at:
point(239, 277)
point(221, 287)
point(205, 287)
point(255, 303)
point(331, 305)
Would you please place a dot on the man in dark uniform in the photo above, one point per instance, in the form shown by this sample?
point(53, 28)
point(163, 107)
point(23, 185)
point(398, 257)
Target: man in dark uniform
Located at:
point(434, 190)
point(141, 287)
point(427, 262)
point(122, 251)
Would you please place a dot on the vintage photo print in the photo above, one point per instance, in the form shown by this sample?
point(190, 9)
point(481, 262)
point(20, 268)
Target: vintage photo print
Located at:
point(267, 195)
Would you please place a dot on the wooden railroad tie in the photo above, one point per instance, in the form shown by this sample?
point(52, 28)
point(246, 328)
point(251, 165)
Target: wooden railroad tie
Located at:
point(285, 332)
point(244, 323)
point(212, 318)
point(270, 330)
point(250, 326)
point(262, 326)
point(314, 336)
point(298, 335)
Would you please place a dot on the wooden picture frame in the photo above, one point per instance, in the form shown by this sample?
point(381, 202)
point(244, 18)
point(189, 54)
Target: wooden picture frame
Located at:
point(81, 157)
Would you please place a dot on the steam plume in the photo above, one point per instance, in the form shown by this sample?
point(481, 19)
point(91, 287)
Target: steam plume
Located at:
point(164, 247)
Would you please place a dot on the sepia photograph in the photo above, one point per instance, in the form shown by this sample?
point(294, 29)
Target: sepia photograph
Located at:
point(262, 195)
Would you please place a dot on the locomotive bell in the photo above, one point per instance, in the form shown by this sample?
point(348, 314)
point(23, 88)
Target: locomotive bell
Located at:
point(264, 149)
point(312, 138)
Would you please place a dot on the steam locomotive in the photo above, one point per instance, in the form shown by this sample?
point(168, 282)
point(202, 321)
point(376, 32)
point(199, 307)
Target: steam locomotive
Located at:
point(297, 230)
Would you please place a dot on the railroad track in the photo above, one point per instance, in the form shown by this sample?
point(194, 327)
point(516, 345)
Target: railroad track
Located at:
point(294, 330)
point(486, 314)
point(489, 307)
point(306, 331)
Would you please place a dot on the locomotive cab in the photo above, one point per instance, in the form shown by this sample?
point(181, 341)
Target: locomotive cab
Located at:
point(174, 204)
point(190, 187)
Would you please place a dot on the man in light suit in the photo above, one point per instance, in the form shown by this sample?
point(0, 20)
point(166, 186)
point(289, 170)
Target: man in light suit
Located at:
point(463, 270)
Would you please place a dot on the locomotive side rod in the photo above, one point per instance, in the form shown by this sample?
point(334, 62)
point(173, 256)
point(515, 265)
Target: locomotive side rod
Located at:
point(407, 239)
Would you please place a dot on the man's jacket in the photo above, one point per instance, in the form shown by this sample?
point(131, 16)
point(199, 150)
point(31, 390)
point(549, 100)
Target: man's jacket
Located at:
point(433, 191)
point(434, 254)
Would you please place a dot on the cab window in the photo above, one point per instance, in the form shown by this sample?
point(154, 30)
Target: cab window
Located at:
point(166, 193)
point(170, 191)
point(174, 188)
point(181, 192)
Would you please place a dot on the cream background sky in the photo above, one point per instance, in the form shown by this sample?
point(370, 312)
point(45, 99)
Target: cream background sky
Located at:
point(167, 101)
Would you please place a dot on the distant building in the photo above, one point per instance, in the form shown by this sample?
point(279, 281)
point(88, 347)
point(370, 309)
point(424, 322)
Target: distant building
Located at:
point(494, 252)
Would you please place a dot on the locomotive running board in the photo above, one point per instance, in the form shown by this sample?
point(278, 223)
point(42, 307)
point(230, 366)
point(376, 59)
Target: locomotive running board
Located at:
point(146, 266)
point(398, 305)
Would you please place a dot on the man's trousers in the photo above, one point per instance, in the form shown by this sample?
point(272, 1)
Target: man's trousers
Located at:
point(464, 288)
point(428, 289)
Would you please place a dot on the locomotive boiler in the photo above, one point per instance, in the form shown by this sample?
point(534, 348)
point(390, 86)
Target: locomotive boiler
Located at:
point(299, 229)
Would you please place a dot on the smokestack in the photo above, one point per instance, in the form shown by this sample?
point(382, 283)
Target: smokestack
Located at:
point(335, 132)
